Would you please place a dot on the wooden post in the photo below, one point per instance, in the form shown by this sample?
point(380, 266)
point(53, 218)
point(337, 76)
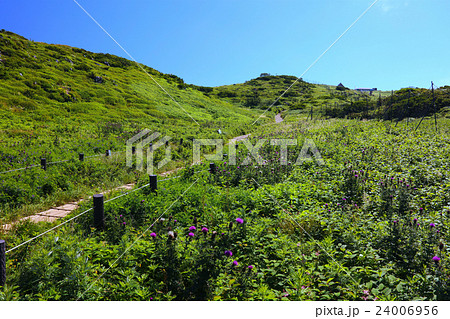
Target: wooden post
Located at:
point(44, 164)
point(153, 183)
point(81, 157)
point(99, 211)
point(2, 262)
point(212, 168)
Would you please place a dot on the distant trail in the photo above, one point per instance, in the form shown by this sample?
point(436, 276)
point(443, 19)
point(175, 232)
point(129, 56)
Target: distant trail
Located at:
point(238, 138)
point(278, 118)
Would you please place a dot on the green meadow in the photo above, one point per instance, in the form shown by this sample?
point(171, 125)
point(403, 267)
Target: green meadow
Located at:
point(357, 210)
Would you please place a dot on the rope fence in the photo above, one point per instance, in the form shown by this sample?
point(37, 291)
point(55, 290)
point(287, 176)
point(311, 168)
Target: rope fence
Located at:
point(99, 217)
point(81, 158)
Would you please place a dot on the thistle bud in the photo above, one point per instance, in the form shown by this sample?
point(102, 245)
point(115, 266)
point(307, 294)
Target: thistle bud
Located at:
point(230, 226)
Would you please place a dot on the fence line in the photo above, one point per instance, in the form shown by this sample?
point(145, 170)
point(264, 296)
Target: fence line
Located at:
point(60, 161)
point(135, 241)
point(18, 169)
point(109, 200)
point(49, 230)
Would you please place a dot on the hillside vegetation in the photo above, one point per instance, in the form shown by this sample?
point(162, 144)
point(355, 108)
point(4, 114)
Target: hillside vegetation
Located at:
point(369, 221)
point(57, 101)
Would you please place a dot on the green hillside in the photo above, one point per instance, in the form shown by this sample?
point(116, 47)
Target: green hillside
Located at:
point(267, 90)
point(329, 100)
point(46, 84)
point(57, 101)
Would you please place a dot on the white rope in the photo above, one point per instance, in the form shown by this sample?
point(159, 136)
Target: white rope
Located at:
point(18, 169)
point(140, 236)
point(317, 60)
point(109, 200)
point(129, 192)
point(49, 230)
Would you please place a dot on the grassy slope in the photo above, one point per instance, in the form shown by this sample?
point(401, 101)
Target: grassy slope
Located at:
point(44, 85)
point(57, 101)
point(301, 96)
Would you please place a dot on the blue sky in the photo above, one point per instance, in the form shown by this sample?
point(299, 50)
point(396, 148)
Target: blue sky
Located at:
point(398, 43)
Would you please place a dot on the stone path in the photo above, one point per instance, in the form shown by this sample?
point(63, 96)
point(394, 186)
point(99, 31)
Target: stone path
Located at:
point(59, 212)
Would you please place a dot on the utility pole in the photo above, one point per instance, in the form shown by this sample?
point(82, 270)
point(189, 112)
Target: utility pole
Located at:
point(367, 107)
point(434, 106)
point(392, 101)
point(408, 107)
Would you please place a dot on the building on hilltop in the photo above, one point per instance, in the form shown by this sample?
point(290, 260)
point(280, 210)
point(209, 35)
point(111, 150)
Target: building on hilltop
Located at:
point(341, 87)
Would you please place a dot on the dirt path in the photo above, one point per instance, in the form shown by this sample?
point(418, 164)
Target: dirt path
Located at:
point(238, 138)
point(278, 118)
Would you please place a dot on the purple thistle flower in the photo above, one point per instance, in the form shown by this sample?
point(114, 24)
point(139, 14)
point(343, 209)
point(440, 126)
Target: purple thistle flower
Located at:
point(192, 228)
point(432, 225)
point(239, 220)
point(204, 230)
point(436, 259)
point(124, 223)
point(153, 235)
point(250, 267)
point(191, 234)
point(235, 263)
point(228, 253)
